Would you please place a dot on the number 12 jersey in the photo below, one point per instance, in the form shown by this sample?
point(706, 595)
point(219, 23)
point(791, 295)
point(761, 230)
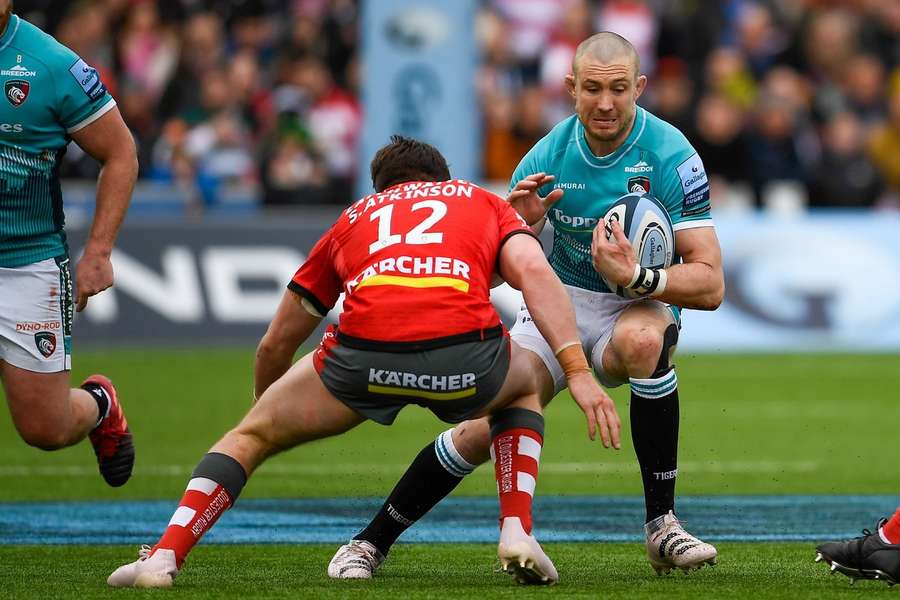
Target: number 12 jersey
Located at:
point(414, 263)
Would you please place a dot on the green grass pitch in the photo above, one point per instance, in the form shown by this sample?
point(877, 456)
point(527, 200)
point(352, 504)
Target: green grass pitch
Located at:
point(438, 571)
point(754, 424)
point(750, 425)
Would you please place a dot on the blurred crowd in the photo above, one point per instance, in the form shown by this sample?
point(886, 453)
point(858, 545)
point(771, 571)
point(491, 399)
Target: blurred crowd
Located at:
point(791, 103)
point(225, 97)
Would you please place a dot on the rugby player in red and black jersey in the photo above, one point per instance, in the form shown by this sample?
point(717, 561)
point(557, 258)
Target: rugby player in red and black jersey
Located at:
point(415, 262)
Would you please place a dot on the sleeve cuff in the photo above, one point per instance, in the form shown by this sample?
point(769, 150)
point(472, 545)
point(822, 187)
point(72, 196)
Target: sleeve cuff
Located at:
point(509, 235)
point(693, 224)
point(518, 231)
point(110, 104)
point(305, 293)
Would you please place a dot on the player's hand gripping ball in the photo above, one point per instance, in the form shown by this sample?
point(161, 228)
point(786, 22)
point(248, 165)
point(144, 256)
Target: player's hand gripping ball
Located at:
point(647, 225)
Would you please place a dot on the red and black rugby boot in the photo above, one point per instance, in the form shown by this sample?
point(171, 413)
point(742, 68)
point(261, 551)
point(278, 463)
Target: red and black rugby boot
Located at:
point(111, 439)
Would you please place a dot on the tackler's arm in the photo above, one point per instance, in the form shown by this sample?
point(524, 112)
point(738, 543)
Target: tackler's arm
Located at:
point(293, 323)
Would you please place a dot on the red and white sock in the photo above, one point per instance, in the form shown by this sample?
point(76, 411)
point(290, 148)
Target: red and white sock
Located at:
point(516, 453)
point(890, 531)
point(203, 503)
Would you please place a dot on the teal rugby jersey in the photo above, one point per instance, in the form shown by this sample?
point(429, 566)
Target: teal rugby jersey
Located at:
point(655, 157)
point(48, 93)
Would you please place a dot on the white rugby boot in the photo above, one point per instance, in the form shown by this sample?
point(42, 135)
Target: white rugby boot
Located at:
point(356, 560)
point(147, 571)
point(522, 557)
point(669, 546)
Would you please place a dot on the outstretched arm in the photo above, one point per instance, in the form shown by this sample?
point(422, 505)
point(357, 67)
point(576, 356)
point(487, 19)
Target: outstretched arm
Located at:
point(523, 265)
point(107, 140)
point(291, 326)
point(526, 201)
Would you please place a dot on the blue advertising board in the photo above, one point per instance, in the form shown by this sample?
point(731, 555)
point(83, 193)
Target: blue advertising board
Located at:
point(819, 282)
point(419, 80)
point(813, 283)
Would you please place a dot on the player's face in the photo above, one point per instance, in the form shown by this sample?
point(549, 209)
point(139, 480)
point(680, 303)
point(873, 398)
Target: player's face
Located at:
point(6, 7)
point(605, 96)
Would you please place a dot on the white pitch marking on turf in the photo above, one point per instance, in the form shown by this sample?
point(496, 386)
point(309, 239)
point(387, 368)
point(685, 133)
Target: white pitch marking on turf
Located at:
point(555, 468)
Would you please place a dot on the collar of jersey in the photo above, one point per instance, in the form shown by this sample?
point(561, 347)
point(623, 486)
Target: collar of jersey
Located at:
point(11, 28)
point(605, 162)
point(397, 185)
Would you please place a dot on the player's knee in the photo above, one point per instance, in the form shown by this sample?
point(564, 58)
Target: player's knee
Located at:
point(640, 349)
point(472, 440)
point(43, 437)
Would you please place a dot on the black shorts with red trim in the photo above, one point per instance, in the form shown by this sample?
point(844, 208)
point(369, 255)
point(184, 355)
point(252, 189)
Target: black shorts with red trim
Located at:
point(454, 379)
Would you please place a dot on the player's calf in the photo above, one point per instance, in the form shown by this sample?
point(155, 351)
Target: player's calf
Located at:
point(46, 412)
point(45, 438)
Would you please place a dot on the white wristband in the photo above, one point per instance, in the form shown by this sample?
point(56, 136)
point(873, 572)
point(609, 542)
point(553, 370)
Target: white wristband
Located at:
point(635, 277)
point(648, 282)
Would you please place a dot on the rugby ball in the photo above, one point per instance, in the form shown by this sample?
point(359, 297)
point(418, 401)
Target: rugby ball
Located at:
point(648, 226)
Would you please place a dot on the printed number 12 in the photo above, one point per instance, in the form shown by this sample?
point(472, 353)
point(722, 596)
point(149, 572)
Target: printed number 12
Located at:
point(417, 235)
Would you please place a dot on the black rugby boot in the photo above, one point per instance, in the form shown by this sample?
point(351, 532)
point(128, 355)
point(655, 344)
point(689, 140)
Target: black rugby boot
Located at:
point(865, 557)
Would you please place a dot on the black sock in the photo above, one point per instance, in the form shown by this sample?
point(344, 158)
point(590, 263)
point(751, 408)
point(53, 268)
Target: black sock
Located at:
point(99, 395)
point(654, 432)
point(427, 481)
point(224, 470)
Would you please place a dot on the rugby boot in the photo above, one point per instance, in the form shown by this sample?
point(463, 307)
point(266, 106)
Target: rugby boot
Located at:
point(357, 559)
point(865, 557)
point(669, 546)
point(112, 441)
point(150, 570)
point(522, 557)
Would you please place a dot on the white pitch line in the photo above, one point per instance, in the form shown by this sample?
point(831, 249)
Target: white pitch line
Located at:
point(554, 468)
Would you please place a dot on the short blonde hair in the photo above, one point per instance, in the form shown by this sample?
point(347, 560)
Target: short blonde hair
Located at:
point(605, 47)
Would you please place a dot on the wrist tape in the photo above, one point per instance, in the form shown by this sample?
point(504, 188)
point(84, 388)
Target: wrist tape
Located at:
point(648, 282)
point(571, 358)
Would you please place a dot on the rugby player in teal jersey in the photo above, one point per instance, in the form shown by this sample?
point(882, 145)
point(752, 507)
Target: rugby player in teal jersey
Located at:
point(50, 97)
point(571, 178)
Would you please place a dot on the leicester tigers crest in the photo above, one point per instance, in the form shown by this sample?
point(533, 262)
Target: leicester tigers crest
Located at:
point(45, 342)
point(16, 91)
point(637, 185)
